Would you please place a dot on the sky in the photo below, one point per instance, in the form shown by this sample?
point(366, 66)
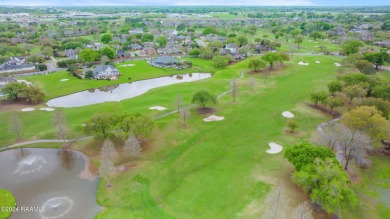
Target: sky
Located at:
point(196, 2)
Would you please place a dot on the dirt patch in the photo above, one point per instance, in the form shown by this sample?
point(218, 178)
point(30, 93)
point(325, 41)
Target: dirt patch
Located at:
point(205, 110)
point(326, 111)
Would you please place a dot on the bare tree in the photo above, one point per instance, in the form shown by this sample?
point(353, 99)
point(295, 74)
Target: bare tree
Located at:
point(179, 103)
point(15, 125)
point(353, 144)
point(251, 82)
point(234, 86)
point(275, 202)
point(106, 168)
point(132, 146)
point(185, 114)
point(327, 137)
point(302, 211)
point(60, 123)
point(108, 150)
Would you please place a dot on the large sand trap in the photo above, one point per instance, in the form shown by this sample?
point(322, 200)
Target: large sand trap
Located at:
point(274, 148)
point(213, 118)
point(65, 79)
point(303, 63)
point(318, 62)
point(157, 108)
point(47, 109)
point(27, 109)
point(337, 64)
point(128, 65)
point(26, 82)
point(288, 114)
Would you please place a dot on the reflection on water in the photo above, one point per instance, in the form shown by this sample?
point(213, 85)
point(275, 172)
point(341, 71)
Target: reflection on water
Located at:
point(121, 91)
point(48, 179)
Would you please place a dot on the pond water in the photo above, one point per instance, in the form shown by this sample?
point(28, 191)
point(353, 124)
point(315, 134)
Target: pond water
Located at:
point(49, 183)
point(120, 92)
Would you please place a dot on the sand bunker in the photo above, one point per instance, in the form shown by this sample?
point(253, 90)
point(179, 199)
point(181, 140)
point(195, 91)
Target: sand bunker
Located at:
point(47, 109)
point(337, 64)
point(318, 62)
point(128, 65)
point(26, 82)
point(27, 109)
point(274, 148)
point(157, 108)
point(65, 79)
point(303, 63)
point(288, 114)
point(213, 118)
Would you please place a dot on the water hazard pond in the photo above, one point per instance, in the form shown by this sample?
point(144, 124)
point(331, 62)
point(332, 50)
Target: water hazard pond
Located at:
point(52, 183)
point(120, 92)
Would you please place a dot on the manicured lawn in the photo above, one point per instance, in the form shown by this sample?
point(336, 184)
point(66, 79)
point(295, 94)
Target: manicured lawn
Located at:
point(213, 170)
point(7, 203)
point(54, 87)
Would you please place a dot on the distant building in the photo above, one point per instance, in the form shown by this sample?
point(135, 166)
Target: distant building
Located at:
point(6, 80)
point(105, 72)
point(166, 61)
point(70, 53)
point(122, 54)
point(15, 64)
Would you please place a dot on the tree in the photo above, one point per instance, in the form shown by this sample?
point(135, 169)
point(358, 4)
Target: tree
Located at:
point(298, 40)
point(106, 167)
point(301, 155)
point(377, 58)
point(381, 91)
point(243, 40)
point(328, 185)
point(161, 41)
point(206, 53)
point(101, 125)
point(106, 38)
point(355, 78)
point(89, 55)
point(272, 58)
point(147, 37)
point(138, 124)
point(335, 86)
point(194, 52)
point(234, 86)
point(220, 61)
point(353, 91)
point(353, 144)
point(13, 90)
point(251, 82)
point(367, 119)
point(47, 51)
point(108, 52)
point(319, 97)
point(295, 32)
point(32, 94)
point(181, 27)
point(334, 102)
point(108, 150)
point(104, 60)
point(292, 125)
point(203, 98)
point(316, 35)
point(381, 104)
point(27, 47)
point(386, 25)
point(179, 103)
point(256, 64)
point(60, 123)
point(15, 125)
point(362, 64)
point(302, 211)
point(185, 114)
point(132, 146)
point(276, 200)
point(215, 45)
point(351, 47)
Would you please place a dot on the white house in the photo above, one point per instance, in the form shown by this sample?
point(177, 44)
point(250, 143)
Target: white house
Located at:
point(105, 72)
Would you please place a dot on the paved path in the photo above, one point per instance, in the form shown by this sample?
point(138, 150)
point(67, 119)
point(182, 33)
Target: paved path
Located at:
point(87, 137)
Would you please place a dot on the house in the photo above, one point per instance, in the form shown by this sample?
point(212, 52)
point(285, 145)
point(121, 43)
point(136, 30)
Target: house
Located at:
point(122, 54)
point(70, 53)
point(105, 72)
point(135, 46)
point(166, 61)
point(232, 47)
point(136, 31)
point(15, 64)
point(149, 50)
point(6, 80)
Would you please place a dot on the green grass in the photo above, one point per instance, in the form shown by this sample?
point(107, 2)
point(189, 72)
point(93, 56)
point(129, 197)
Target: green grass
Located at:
point(54, 87)
point(211, 170)
point(7, 203)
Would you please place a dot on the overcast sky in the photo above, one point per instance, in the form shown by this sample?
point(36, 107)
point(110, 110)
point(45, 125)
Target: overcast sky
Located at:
point(196, 2)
